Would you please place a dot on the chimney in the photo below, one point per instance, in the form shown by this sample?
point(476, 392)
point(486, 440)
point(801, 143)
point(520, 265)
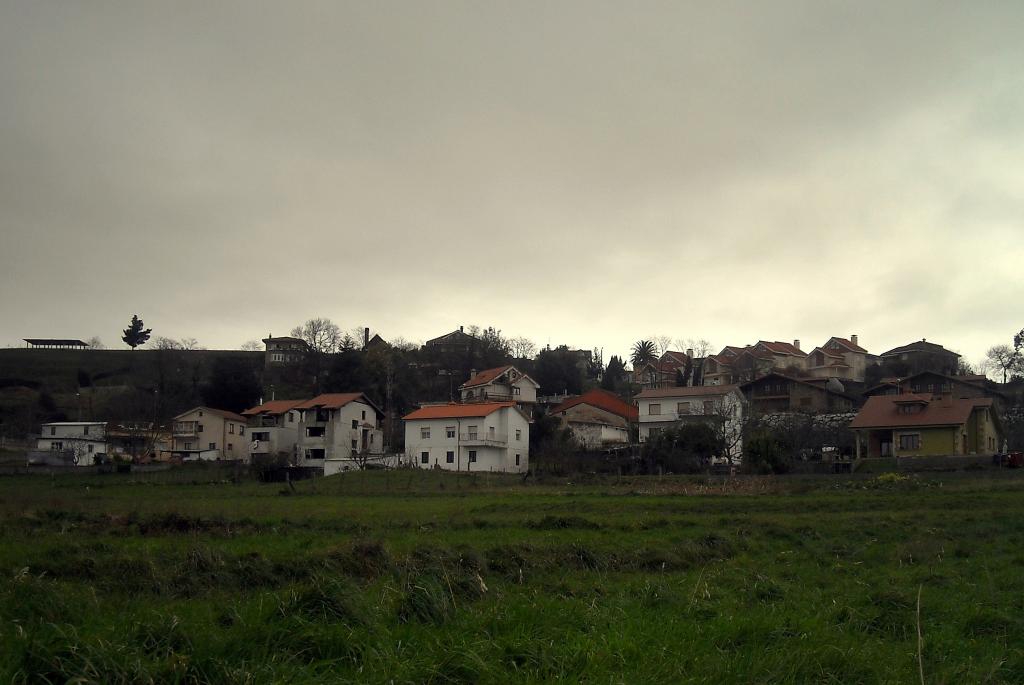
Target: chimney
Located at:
point(853, 338)
point(460, 330)
point(366, 337)
point(689, 352)
point(796, 344)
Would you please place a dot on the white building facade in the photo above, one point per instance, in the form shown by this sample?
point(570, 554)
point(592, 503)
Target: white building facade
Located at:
point(485, 436)
point(274, 431)
point(338, 432)
point(82, 443)
point(501, 384)
point(721, 406)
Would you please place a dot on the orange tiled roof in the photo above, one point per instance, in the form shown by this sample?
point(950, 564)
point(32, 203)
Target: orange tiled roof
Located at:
point(335, 400)
point(779, 347)
point(273, 407)
point(602, 399)
point(457, 411)
point(882, 411)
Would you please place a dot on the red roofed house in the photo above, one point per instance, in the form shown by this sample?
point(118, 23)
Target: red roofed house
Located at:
point(274, 430)
point(501, 384)
point(597, 418)
point(338, 431)
point(482, 436)
point(663, 372)
point(923, 425)
point(838, 358)
point(209, 434)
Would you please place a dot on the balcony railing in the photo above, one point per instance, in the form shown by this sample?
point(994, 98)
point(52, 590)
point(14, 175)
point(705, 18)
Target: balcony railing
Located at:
point(185, 428)
point(483, 438)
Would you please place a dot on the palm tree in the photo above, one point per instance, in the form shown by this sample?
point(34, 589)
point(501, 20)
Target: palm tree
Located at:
point(644, 352)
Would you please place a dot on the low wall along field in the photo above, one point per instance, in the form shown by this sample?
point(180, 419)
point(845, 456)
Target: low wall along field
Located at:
point(189, 576)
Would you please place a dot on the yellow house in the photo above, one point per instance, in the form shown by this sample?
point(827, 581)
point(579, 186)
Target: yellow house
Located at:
point(923, 425)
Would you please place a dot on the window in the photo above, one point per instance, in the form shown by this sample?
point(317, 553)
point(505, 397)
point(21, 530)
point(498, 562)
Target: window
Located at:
point(490, 432)
point(519, 434)
point(355, 444)
point(364, 416)
point(200, 413)
point(53, 430)
point(472, 456)
point(199, 428)
point(910, 442)
point(315, 454)
point(517, 460)
point(241, 430)
point(89, 449)
point(515, 390)
point(472, 432)
point(449, 457)
point(213, 445)
point(231, 428)
point(190, 445)
point(425, 433)
point(424, 457)
point(85, 431)
point(355, 423)
point(654, 409)
point(315, 432)
point(56, 445)
point(683, 408)
point(449, 432)
point(231, 446)
point(291, 417)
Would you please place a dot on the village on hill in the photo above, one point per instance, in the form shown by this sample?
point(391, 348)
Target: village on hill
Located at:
point(320, 402)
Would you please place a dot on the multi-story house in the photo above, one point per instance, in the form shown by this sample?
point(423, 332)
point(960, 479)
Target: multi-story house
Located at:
point(778, 393)
point(273, 431)
point(922, 356)
point(484, 436)
point(285, 350)
point(924, 425)
point(742, 364)
point(597, 418)
point(82, 443)
point(456, 342)
point(667, 370)
point(209, 434)
point(501, 384)
point(721, 406)
point(937, 384)
point(338, 432)
point(838, 358)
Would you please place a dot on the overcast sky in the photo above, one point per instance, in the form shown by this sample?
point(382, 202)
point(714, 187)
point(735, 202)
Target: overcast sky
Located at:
point(574, 172)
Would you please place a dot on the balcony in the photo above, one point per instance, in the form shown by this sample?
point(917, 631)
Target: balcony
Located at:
point(185, 428)
point(485, 439)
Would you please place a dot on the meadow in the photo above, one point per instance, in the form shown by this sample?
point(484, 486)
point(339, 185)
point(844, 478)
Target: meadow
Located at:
point(418, 577)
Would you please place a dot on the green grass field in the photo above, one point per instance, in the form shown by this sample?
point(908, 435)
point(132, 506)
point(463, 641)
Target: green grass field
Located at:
point(184, 577)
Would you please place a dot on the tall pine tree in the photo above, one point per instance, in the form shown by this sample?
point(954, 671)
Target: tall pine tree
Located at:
point(134, 335)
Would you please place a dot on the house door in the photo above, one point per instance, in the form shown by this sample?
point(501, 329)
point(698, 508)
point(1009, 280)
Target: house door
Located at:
point(366, 437)
point(885, 447)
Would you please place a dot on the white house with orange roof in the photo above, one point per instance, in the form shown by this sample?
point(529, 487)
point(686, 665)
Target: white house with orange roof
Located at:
point(338, 432)
point(480, 436)
point(209, 434)
point(274, 429)
point(501, 384)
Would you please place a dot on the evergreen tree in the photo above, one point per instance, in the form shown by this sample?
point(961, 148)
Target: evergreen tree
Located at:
point(134, 335)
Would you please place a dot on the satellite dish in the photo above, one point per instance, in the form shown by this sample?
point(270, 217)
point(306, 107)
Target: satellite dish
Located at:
point(834, 385)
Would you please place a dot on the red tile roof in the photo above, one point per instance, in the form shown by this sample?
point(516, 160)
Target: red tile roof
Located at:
point(602, 399)
point(488, 375)
point(696, 391)
point(779, 347)
point(334, 400)
point(457, 411)
point(882, 411)
point(848, 344)
point(273, 407)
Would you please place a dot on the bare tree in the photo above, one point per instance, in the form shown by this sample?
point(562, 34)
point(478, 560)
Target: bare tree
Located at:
point(189, 344)
point(700, 346)
point(1003, 358)
point(252, 346)
point(522, 348)
point(164, 343)
point(96, 344)
point(322, 335)
point(664, 343)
